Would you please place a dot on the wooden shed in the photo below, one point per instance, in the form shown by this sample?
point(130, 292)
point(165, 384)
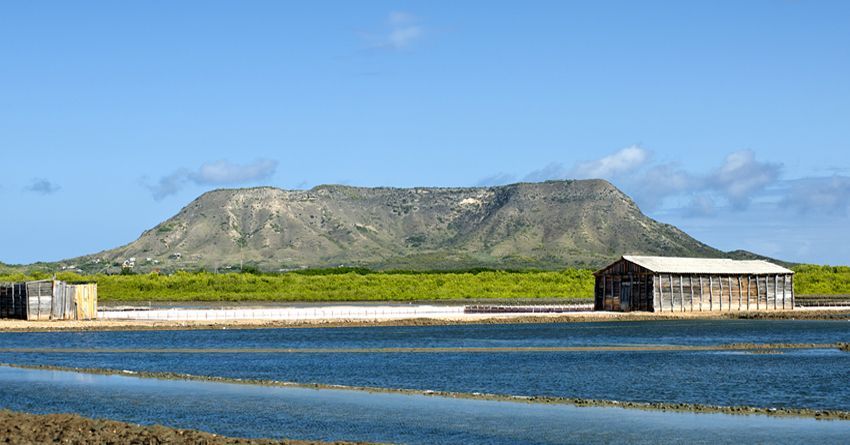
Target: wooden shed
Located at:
point(670, 284)
point(48, 300)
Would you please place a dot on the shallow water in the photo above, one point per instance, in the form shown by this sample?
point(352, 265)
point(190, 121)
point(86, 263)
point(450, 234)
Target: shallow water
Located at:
point(794, 378)
point(257, 411)
point(674, 332)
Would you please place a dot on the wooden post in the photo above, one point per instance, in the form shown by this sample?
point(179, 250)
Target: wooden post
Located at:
point(700, 292)
point(720, 281)
point(639, 293)
point(740, 293)
point(711, 292)
point(793, 303)
point(660, 293)
point(672, 294)
point(783, 292)
point(682, 291)
point(758, 294)
point(749, 281)
point(691, 283)
point(639, 304)
point(775, 291)
point(730, 292)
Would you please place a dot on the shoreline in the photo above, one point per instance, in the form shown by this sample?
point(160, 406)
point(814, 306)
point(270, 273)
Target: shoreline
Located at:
point(10, 325)
point(22, 427)
point(773, 348)
point(818, 414)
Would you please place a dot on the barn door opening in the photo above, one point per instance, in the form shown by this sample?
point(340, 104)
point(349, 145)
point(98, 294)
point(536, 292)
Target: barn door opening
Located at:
point(625, 296)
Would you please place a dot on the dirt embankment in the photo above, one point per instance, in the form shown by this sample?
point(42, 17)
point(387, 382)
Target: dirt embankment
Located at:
point(578, 317)
point(22, 428)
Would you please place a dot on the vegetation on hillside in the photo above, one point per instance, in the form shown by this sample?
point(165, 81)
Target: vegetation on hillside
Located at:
point(357, 284)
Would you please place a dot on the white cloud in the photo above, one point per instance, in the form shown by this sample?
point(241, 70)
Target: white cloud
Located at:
point(225, 172)
point(738, 179)
point(741, 177)
point(213, 173)
point(623, 161)
point(609, 167)
point(659, 182)
point(402, 30)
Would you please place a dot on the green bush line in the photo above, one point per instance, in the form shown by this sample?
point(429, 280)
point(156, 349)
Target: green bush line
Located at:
point(350, 286)
point(363, 285)
point(824, 280)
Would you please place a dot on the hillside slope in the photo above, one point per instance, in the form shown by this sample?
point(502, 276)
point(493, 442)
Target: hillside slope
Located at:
point(554, 224)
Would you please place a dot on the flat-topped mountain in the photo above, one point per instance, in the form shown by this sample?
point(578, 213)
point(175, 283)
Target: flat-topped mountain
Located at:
point(554, 224)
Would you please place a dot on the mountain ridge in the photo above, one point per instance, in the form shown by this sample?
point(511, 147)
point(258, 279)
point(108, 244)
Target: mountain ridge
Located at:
point(547, 225)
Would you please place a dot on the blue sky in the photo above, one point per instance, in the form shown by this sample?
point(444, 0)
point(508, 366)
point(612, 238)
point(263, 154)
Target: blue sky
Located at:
point(728, 119)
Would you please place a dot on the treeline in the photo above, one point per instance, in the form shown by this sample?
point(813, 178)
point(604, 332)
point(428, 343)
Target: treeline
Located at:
point(356, 284)
point(826, 280)
point(336, 285)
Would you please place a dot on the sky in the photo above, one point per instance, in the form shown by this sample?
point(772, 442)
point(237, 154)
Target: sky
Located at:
point(728, 119)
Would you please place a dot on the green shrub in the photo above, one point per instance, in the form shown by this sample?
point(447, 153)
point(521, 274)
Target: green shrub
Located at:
point(828, 280)
point(339, 285)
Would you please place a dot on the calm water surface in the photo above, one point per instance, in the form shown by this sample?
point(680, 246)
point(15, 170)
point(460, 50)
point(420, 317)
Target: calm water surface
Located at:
point(677, 332)
point(804, 378)
point(256, 411)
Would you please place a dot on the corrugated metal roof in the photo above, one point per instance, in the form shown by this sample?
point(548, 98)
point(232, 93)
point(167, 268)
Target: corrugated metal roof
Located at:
point(706, 265)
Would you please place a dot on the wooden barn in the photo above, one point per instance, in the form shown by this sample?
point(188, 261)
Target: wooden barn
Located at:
point(669, 284)
point(48, 300)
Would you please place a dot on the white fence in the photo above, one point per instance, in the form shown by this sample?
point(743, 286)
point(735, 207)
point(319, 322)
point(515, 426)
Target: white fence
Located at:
point(292, 314)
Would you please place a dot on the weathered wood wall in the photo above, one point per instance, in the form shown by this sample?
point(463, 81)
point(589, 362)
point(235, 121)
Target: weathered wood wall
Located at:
point(624, 286)
point(85, 300)
point(680, 293)
point(48, 300)
point(39, 300)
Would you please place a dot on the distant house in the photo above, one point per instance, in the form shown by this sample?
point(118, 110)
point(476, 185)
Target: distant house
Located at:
point(670, 284)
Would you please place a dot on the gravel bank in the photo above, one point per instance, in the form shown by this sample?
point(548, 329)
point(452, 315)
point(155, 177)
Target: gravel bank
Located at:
point(23, 428)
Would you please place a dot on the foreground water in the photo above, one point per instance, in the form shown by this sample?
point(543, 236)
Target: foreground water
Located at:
point(796, 379)
point(257, 411)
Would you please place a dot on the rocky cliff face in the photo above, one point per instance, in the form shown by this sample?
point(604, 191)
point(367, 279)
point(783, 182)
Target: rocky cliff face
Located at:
point(553, 224)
